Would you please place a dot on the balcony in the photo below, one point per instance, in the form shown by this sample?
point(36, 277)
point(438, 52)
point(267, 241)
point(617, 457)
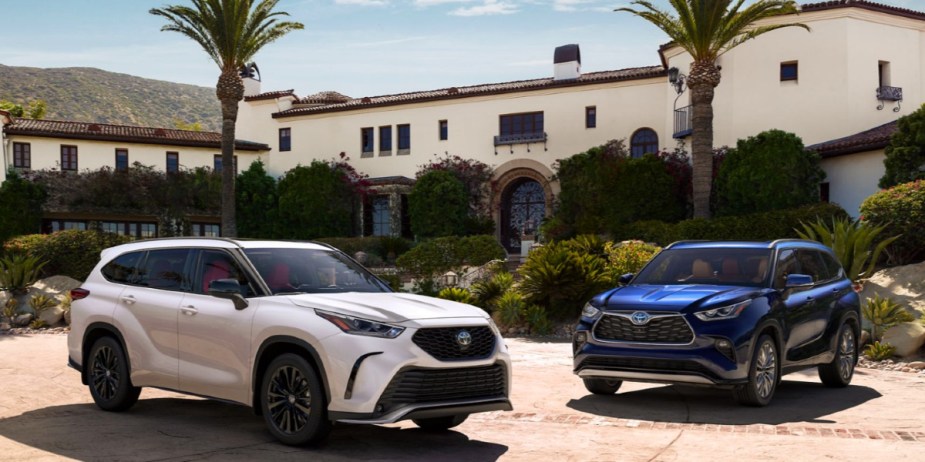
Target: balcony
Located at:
point(683, 125)
point(521, 138)
point(890, 93)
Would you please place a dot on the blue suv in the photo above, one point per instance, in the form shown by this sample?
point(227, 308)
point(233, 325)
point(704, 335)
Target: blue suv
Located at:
point(737, 315)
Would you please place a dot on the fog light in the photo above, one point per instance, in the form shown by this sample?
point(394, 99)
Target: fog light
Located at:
point(580, 338)
point(724, 346)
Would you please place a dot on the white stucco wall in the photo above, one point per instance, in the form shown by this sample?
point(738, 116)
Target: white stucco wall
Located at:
point(853, 177)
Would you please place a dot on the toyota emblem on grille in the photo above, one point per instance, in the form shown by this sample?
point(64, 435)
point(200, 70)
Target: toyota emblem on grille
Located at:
point(464, 339)
point(640, 318)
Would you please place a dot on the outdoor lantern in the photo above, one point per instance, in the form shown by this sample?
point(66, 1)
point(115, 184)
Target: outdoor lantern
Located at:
point(673, 75)
point(450, 279)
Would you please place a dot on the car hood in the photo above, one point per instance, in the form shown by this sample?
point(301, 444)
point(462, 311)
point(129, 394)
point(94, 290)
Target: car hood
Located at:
point(387, 307)
point(676, 297)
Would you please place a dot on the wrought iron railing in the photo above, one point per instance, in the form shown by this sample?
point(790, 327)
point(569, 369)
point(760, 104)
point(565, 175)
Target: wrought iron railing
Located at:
point(890, 93)
point(682, 122)
point(534, 137)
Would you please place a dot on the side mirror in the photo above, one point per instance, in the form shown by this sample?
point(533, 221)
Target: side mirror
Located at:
point(798, 280)
point(626, 278)
point(229, 289)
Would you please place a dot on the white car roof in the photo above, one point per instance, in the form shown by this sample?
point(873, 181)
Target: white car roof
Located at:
point(220, 243)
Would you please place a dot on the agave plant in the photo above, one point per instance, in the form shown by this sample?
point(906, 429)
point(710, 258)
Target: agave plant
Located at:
point(537, 320)
point(510, 309)
point(18, 272)
point(486, 293)
point(855, 243)
point(10, 308)
point(883, 313)
point(40, 303)
point(561, 279)
point(456, 294)
point(879, 351)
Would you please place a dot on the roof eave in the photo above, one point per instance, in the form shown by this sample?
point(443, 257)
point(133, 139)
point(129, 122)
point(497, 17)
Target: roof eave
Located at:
point(137, 140)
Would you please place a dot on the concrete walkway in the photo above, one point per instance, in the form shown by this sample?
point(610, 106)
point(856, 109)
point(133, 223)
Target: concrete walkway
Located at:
point(46, 414)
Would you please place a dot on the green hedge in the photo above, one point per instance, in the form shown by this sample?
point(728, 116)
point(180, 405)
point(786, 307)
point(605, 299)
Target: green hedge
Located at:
point(443, 254)
point(765, 226)
point(902, 210)
point(380, 249)
point(71, 253)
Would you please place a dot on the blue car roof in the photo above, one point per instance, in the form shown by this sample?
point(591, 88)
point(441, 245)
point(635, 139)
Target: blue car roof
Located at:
point(780, 243)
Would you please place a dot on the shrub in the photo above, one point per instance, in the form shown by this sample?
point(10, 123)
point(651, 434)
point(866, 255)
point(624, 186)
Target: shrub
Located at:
point(393, 280)
point(769, 171)
point(628, 256)
point(561, 279)
point(883, 313)
point(20, 206)
point(387, 249)
point(10, 308)
point(654, 231)
point(537, 321)
point(456, 294)
point(257, 201)
point(40, 303)
point(488, 292)
point(438, 205)
point(440, 255)
point(852, 241)
point(510, 310)
point(71, 253)
point(879, 351)
point(901, 209)
point(475, 177)
point(905, 154)
point(319, 200)
point(17, 272)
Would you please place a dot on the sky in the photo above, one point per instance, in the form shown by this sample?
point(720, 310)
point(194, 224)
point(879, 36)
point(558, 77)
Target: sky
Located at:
point(356, 47)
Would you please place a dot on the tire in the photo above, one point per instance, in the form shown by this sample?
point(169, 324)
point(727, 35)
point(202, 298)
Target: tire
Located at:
point(108, 376)
point(440, 423)
point(602, 386)
point(292, 401)
point(763, 375)
point(838, 373)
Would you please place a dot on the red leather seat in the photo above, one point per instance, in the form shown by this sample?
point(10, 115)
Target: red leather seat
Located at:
point(218, 269)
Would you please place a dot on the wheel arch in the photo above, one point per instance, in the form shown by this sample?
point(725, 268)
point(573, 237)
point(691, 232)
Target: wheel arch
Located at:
point(281, 344)
point(94, 332)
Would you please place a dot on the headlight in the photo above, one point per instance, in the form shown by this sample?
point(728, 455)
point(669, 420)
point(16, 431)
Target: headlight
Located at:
point(723, 312)
point(590, 311)
point(358, 326)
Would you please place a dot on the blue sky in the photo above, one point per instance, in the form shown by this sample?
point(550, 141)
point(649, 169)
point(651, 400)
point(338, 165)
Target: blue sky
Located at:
point(357, 47)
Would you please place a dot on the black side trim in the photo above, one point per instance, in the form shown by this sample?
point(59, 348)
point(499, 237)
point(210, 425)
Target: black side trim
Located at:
point(353, 373)
point(456, 410)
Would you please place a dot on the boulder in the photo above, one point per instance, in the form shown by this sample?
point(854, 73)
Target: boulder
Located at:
point(52, 315)
point(917, 365)
point(22, 320)
point(904, 284)
point(865, 338)
point(906, 338)
point(54, 287)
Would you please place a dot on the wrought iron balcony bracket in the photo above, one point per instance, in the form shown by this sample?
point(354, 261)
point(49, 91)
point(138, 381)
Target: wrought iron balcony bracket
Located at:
point(890, 94)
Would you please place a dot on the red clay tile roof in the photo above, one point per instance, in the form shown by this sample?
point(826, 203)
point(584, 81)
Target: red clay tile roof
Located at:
point(479, 90)
point(325, 97)
point(868, 140)
point(271, 95)
point(126, 133)
point(863, 4)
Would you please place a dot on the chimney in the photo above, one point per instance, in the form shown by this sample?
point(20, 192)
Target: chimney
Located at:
point(250, 74)
point(567, 62)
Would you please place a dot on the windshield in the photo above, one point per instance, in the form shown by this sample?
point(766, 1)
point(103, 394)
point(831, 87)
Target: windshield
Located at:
point(725, 266)
point(313, 271)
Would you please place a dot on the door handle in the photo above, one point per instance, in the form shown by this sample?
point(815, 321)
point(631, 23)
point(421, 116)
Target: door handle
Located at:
point(188, 310)
point(128, 299)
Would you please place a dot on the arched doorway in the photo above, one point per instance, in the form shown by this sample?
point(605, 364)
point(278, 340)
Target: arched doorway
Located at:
point(523, 207)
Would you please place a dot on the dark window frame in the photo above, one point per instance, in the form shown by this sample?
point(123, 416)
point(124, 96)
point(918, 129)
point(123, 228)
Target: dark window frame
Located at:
point(121, 168)
point(787, 68)
point(381, 218)
point(404, 139)
point(22, 155)
point(367, 139)
point(443, 130)
point(523, 123)
point(217, 163)
point(648, 145)
point(69, 158)
point(385, 139)
point(176, 157)
point(591, 117)
point(285, 139)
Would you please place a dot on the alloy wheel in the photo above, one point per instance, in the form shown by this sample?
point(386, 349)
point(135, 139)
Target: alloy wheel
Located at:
point(766, 370)
point(289, 399)
point(105, 373)
point(846, 353)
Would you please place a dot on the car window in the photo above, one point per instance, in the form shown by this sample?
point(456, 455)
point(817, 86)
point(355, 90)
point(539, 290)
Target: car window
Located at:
point(834, 269)
point(165, 269)
point(787, 263)
point(216, 264)
point(811, 264)
point(312, 271)
point(726, 266)
point(122, 269)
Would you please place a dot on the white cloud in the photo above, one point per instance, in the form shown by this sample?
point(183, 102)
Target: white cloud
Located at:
point(489, 7)
point(569, 6)
point(426, 3)
point(362, 2)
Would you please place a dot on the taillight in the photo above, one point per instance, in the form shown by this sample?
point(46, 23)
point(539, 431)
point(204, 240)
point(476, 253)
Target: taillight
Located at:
point(78, 293)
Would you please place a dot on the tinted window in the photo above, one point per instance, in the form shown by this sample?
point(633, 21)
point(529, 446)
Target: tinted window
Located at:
point(811, 264)
point(216, 264)
point(165, 269)
point(833, 268)
point(311, 271)
point(787, 263)
point(726, 266)
point(122, 269)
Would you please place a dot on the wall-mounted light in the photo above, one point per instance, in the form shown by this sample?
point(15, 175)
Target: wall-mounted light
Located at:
point(677, 79)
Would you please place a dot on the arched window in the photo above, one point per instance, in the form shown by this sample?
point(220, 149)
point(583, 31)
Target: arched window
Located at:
point(644, 141)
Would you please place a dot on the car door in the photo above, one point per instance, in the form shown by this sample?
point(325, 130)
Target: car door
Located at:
point(797, 302)
point(819, 300)
point(214, 337)
point(148, 314)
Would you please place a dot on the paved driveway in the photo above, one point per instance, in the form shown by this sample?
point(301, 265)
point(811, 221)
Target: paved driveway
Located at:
point(46, 414)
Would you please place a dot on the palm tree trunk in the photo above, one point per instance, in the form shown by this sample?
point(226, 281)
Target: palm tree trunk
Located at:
point(230, 90)
point(703, 80)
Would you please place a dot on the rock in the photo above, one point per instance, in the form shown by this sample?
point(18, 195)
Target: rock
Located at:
point(917, 365)
point(54, 287)
point(906, 338)
point(23, 319)
point(865, 337)
point(52, 315)
point(67, 318)
point(904, 284)
point(5, 326)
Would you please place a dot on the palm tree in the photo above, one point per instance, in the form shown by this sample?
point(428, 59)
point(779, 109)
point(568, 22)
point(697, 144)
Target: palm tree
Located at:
point(706, 29)
point(231, 32)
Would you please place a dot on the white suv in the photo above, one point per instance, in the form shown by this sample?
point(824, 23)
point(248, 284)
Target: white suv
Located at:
point(298, 331)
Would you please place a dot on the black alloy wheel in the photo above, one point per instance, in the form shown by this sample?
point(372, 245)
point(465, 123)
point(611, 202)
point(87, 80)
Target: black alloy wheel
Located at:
point(108, 376)
point(293, 402)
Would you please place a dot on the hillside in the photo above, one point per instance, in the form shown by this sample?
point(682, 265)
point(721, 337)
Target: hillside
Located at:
point(93, 95)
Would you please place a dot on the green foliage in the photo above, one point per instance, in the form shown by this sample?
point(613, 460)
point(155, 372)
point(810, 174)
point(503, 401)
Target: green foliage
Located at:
point(537, 321)
point(883, 313)
point(37, 324)
point(437, 256)
point(456, 294)
point(21, 204)
point(181, 124)
point(628, 256)
point(17, 272)
point(475, 177)
point(40, 303)
point(316, 201)
point(561, 279)
point(71, 253)
point(510, 310)
point(879, 351)
point(10, 308)
point(425, 286)
point(854, 243)
point(769, 171)
point(34, 110)
point(438, 205)
point(257, 203)
point(378, 248)
point(487, 293)
point(901, 209)
point(905, 155)
point(650, 231)
point(393, 280)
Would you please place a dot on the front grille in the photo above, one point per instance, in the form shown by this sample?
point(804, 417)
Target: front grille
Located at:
point(610, 363)
point(442, 342)
point(659, 329)
point(421, 386)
